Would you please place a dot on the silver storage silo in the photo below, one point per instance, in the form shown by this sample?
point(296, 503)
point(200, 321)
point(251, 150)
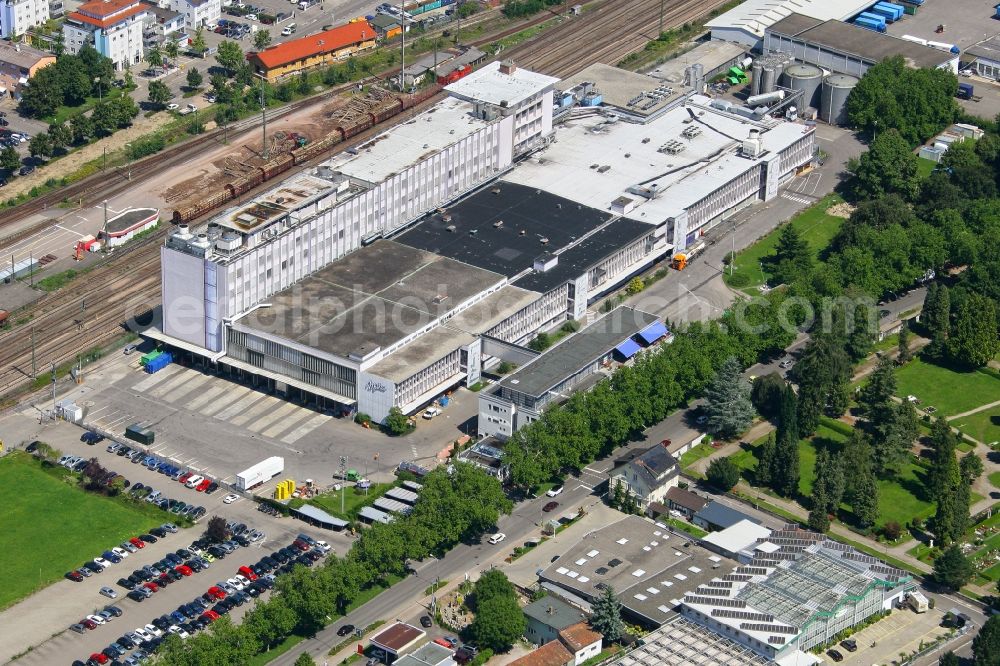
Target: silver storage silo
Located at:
point(768, 80)
point(756, 74)
point(807, 79)
point(833, 105)
point(698, 75)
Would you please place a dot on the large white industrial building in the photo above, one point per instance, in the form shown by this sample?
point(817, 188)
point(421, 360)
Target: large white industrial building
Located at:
point(747, 22)
point(397, 269)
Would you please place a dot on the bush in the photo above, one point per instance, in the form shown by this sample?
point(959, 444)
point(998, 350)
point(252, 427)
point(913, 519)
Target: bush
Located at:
point(892, 530)
point(541, 342)
point(723, 474)
point(362, 418)
point(572, 326)
point(148, 145)
point(396, 423)
point(505, 368)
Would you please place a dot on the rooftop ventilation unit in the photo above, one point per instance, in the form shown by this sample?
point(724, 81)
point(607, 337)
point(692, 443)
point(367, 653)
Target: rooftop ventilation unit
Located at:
point(671, 147)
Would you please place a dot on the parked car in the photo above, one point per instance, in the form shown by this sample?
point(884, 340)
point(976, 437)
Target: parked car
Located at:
point(551, 506)
point(108, 592)
point(553, 492)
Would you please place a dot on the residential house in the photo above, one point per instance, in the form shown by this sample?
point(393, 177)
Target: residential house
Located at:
point(552, 653)
point(19, 16)
point(18, 63)
point(112, 27)
point(648, 476)
point(547, 617)
point(197, 13)
point(685, 501)
point(582, 641)
point(163, 22)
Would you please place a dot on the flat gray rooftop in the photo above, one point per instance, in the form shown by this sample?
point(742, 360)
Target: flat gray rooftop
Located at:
point(988, 49)
point(576, 352)
point(121, 222)
point(710, 55)
point(866, 44)
point(649, 566)
point(619, 87)
point(370, 299)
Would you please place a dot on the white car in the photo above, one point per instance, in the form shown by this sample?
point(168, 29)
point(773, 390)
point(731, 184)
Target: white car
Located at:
point(194, 481)
point(97, 619)
point(287, 31)
point(190, 108)
point(173, 106)
point(142, 635)
point(153, 630)
point(229, 499)
point(324, 546)
point(243, 580)
point(497, 538)
point(237, 583)
point(174, 629)
point(555, 491)
point(431, 413)
point(250, 17)
point(120, 552)
point(101, 562)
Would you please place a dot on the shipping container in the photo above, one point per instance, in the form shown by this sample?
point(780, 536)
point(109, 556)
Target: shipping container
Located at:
point(889, 10)
point(874, 17)
point(146, 358)
point(260, 473)
point(140, 433)
point(869, 24)
point(158, 363)
point(888, 14)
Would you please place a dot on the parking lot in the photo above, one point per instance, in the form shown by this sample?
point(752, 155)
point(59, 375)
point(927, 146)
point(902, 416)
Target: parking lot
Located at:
point(903, 631)
point(965, 22)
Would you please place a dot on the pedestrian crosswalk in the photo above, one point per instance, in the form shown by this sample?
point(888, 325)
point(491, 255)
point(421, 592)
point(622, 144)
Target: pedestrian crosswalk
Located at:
point(233, 403)
point(798, 198)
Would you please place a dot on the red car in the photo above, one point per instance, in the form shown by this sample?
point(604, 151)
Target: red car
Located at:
point(203, 486)
point(99, 658)
point(301, 545)
point(184, 570)
point(185, 476)
point(151, 586)
point(217, 592)
point(210, 615)
point(137, 542)
point(248, 573)
point(90, 624)
point(75, 576)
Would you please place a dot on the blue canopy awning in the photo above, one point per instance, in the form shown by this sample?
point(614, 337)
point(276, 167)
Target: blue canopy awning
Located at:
point(653, 332)
point(628, 349)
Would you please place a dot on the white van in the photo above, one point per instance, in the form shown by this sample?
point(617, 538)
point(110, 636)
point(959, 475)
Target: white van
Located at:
point(288, 30)
point(497, 538)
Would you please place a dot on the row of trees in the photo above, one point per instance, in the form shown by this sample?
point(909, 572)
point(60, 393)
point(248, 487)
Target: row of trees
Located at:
point(453, 507)
point(108, 117)
point(964, 333)
point(499, 622)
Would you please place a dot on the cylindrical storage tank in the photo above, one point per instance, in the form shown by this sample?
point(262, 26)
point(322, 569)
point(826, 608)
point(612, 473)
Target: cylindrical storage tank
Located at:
point(698, 76)
point(806, 78)
point(833, 103)
point(768, 80)
point(756, 74)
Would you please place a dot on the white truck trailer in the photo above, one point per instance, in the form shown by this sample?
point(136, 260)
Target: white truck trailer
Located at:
point(260, 473)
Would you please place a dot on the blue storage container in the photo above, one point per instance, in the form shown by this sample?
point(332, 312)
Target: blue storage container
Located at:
point(888, 14)
point(869, 24)
point(873, 17)
point(895, 11)
point(158, 363)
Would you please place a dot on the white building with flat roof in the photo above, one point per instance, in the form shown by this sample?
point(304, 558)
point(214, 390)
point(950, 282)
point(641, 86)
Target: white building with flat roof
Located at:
point(747, 22)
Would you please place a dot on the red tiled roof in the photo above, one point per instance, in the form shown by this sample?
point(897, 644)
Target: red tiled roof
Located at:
point(551, 654)
point(578, 636)
point(105, 13)
point(312, 45)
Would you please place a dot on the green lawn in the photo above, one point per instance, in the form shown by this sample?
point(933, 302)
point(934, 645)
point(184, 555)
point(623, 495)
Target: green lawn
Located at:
point(816, 227)
point(899, 498)
point(695, 454)
point(74, 525)
point(950, 391)
point(984, 425)
point(693, 530)
point(925, 167)
point(995, 480)
point(64, 113)
point(354, 500)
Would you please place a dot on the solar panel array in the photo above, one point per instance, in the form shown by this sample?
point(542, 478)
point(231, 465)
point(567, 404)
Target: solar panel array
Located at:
point(752, 616)
point(776, 628)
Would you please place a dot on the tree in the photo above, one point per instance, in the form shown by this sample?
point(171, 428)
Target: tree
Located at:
point(198, 41)
point(949, 658)
point(973, 339)
point(81, 128)
point(723, 474)
point(819, 518)
point(936, 313)
point(60, 136)
point(766, 394)
point(9, 160)
point(986, 644)
point(159, 93)
point(876, 395)
point(764, 472)
point(154, 56)
point(229, 56)
point(270, 621)
point(635, 285)
point(467, 9)
point(830, 483)
point(888, 167)
point(903, 354)
point(892, 530)
point(952, 568)
point(727, 401)
point(261, 39)
point(606, 615)
point(498, 624)
point(217, 530)
point(866, 500)
point(171, 49)
point(305, 660)
point(785, 467)
point(944, 470)
point(493, 584)
point(792, 259)
point(194, 78)
point(971, 467)
point(396, 423)
point(40, 145)
point(540, 342)
point(307, 595)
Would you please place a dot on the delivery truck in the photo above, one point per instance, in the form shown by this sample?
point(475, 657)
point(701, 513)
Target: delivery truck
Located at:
point(260, 473)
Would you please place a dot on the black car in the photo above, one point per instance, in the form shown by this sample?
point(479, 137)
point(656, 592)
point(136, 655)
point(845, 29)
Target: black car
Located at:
point(93, 567)
point(158, 532)
point(835, 655)
point(148, 538)
point(218, 552)
point(243, 541)
point(849, 644)
point(173, 558)
point(114, 610)
point(184, 553)
point(127, 641)
point(254, 590)
point(27, 168)
point(163, 622)
point(346, 629)
point(212, 487)
point(126, 583)
point(425, 621)
point(220, 608)
point(137, 596)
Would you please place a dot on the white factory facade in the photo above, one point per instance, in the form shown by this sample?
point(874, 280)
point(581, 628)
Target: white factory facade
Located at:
point(398, 269)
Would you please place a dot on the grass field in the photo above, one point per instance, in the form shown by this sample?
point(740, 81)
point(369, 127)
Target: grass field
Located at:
point(695, 454)
point(899, 498)
point(925, 167)
point(354, 500)
point(74, 525)
point(984, 425)
point(995, 479)
point(816, 227)
point(950, 391)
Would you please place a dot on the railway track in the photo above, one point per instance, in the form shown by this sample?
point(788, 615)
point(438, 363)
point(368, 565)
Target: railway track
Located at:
point(92, 312)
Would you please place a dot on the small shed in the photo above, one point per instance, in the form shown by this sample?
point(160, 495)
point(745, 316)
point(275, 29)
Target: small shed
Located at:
point(397, 640)
point(318, 517)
